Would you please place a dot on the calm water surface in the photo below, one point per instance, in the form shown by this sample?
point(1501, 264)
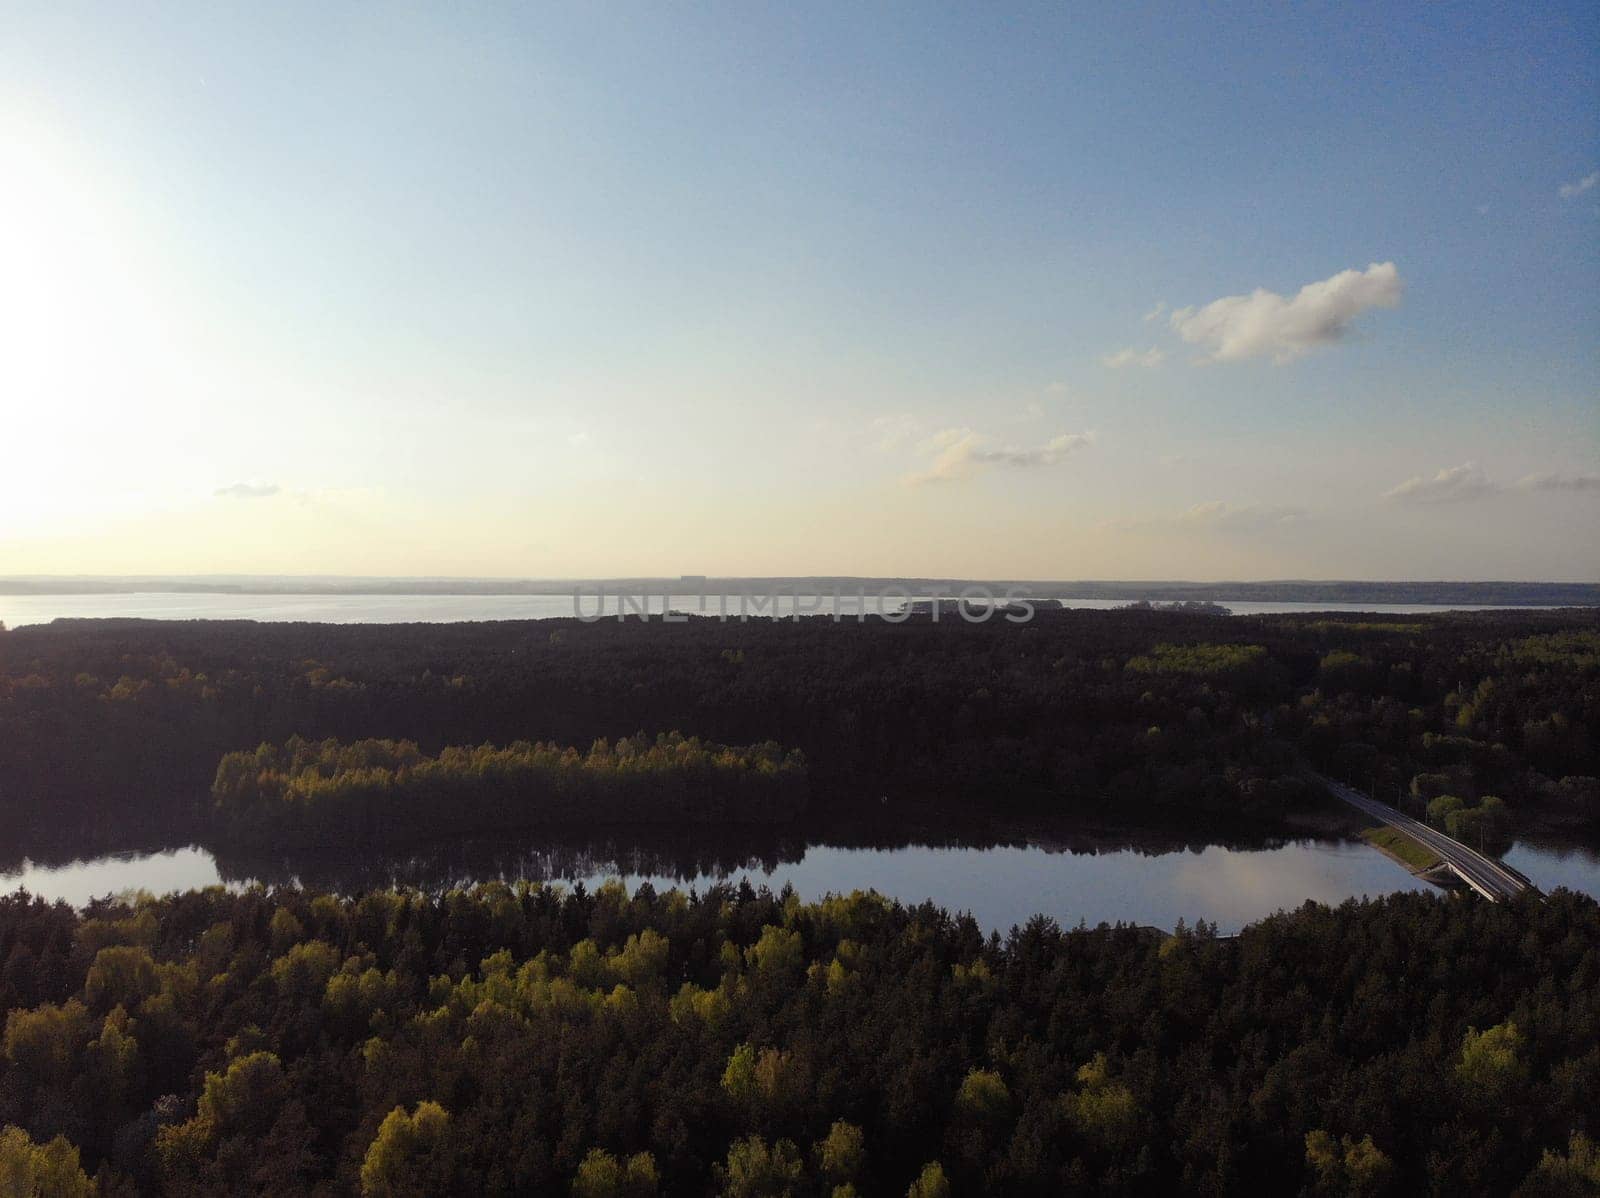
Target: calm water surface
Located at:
point(999, 885)
point(16, 610)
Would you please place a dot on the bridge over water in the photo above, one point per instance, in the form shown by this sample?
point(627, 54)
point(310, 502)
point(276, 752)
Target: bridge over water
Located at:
point(1485, 875)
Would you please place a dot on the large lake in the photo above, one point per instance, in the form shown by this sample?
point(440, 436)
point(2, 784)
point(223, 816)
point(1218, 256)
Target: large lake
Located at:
point(1001, 885)
point(16, 610)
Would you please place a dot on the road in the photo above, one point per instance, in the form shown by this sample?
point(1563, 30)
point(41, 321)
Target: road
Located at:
point(1485, 875)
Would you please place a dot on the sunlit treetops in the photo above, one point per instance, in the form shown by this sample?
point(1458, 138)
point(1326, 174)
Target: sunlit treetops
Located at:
point(1198, 660)
point(329, 786)
point(1578, 649)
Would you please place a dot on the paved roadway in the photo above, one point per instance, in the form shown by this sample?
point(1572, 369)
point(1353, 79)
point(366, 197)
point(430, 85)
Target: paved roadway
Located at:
point(1485, 875)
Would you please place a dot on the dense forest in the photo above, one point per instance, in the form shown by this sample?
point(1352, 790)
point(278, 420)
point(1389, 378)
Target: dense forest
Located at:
point(521, 1039)
point(1172, 718)
point(525, 1039)
point(326, 791)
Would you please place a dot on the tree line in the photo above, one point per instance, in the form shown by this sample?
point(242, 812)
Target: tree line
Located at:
point(328, 791)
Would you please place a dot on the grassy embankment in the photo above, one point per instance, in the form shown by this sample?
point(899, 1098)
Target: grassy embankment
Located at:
point(1394, 843)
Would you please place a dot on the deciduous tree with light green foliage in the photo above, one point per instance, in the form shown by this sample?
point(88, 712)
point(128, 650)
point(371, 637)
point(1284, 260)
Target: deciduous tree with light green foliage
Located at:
point(756, 1170)
point(29, 1170)
point(1490, 1067)
point(245, 1097)
point(303, 971)
point(410, 1155)
point(1347, 1167)
point(983, 1096)
point(778, 955)
point(764, 1084)
point(841, 1154)
point(239, 1105)
point(1486, 823)
point(602, 1175)
point(930, 1183)
point(45, 1043)
point(286, 930)
point(1103, 1110)
point(642, 958)
point(121, 974)
point(1558, 1175)
point(1442, 807)
point(113, 1057)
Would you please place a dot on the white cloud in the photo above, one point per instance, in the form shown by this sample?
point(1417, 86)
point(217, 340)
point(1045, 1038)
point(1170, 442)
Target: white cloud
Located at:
point(1155, 313)
point(1450, 485)
point(1468, 482)
point(247, 491)
point(1266, 324)
point(1134, 357)
point(960, 453)
point(1587, 183)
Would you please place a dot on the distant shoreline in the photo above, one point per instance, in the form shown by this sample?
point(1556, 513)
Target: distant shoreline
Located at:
point(1496, 593)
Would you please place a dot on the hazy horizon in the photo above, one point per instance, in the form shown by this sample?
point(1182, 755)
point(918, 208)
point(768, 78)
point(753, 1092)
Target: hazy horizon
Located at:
point(1167, 294)
point(690, 584)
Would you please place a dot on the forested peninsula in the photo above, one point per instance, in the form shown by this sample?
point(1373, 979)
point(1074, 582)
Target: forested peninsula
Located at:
point(325, 791)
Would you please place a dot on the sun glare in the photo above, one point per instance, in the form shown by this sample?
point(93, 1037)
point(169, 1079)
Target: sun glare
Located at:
point(82, 350)
point(43, 259)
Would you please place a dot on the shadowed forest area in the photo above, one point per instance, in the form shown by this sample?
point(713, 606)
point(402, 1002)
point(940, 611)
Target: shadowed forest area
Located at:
point(1163, 717)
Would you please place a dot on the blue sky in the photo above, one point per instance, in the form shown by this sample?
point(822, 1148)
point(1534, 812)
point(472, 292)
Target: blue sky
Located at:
point(734, 289)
